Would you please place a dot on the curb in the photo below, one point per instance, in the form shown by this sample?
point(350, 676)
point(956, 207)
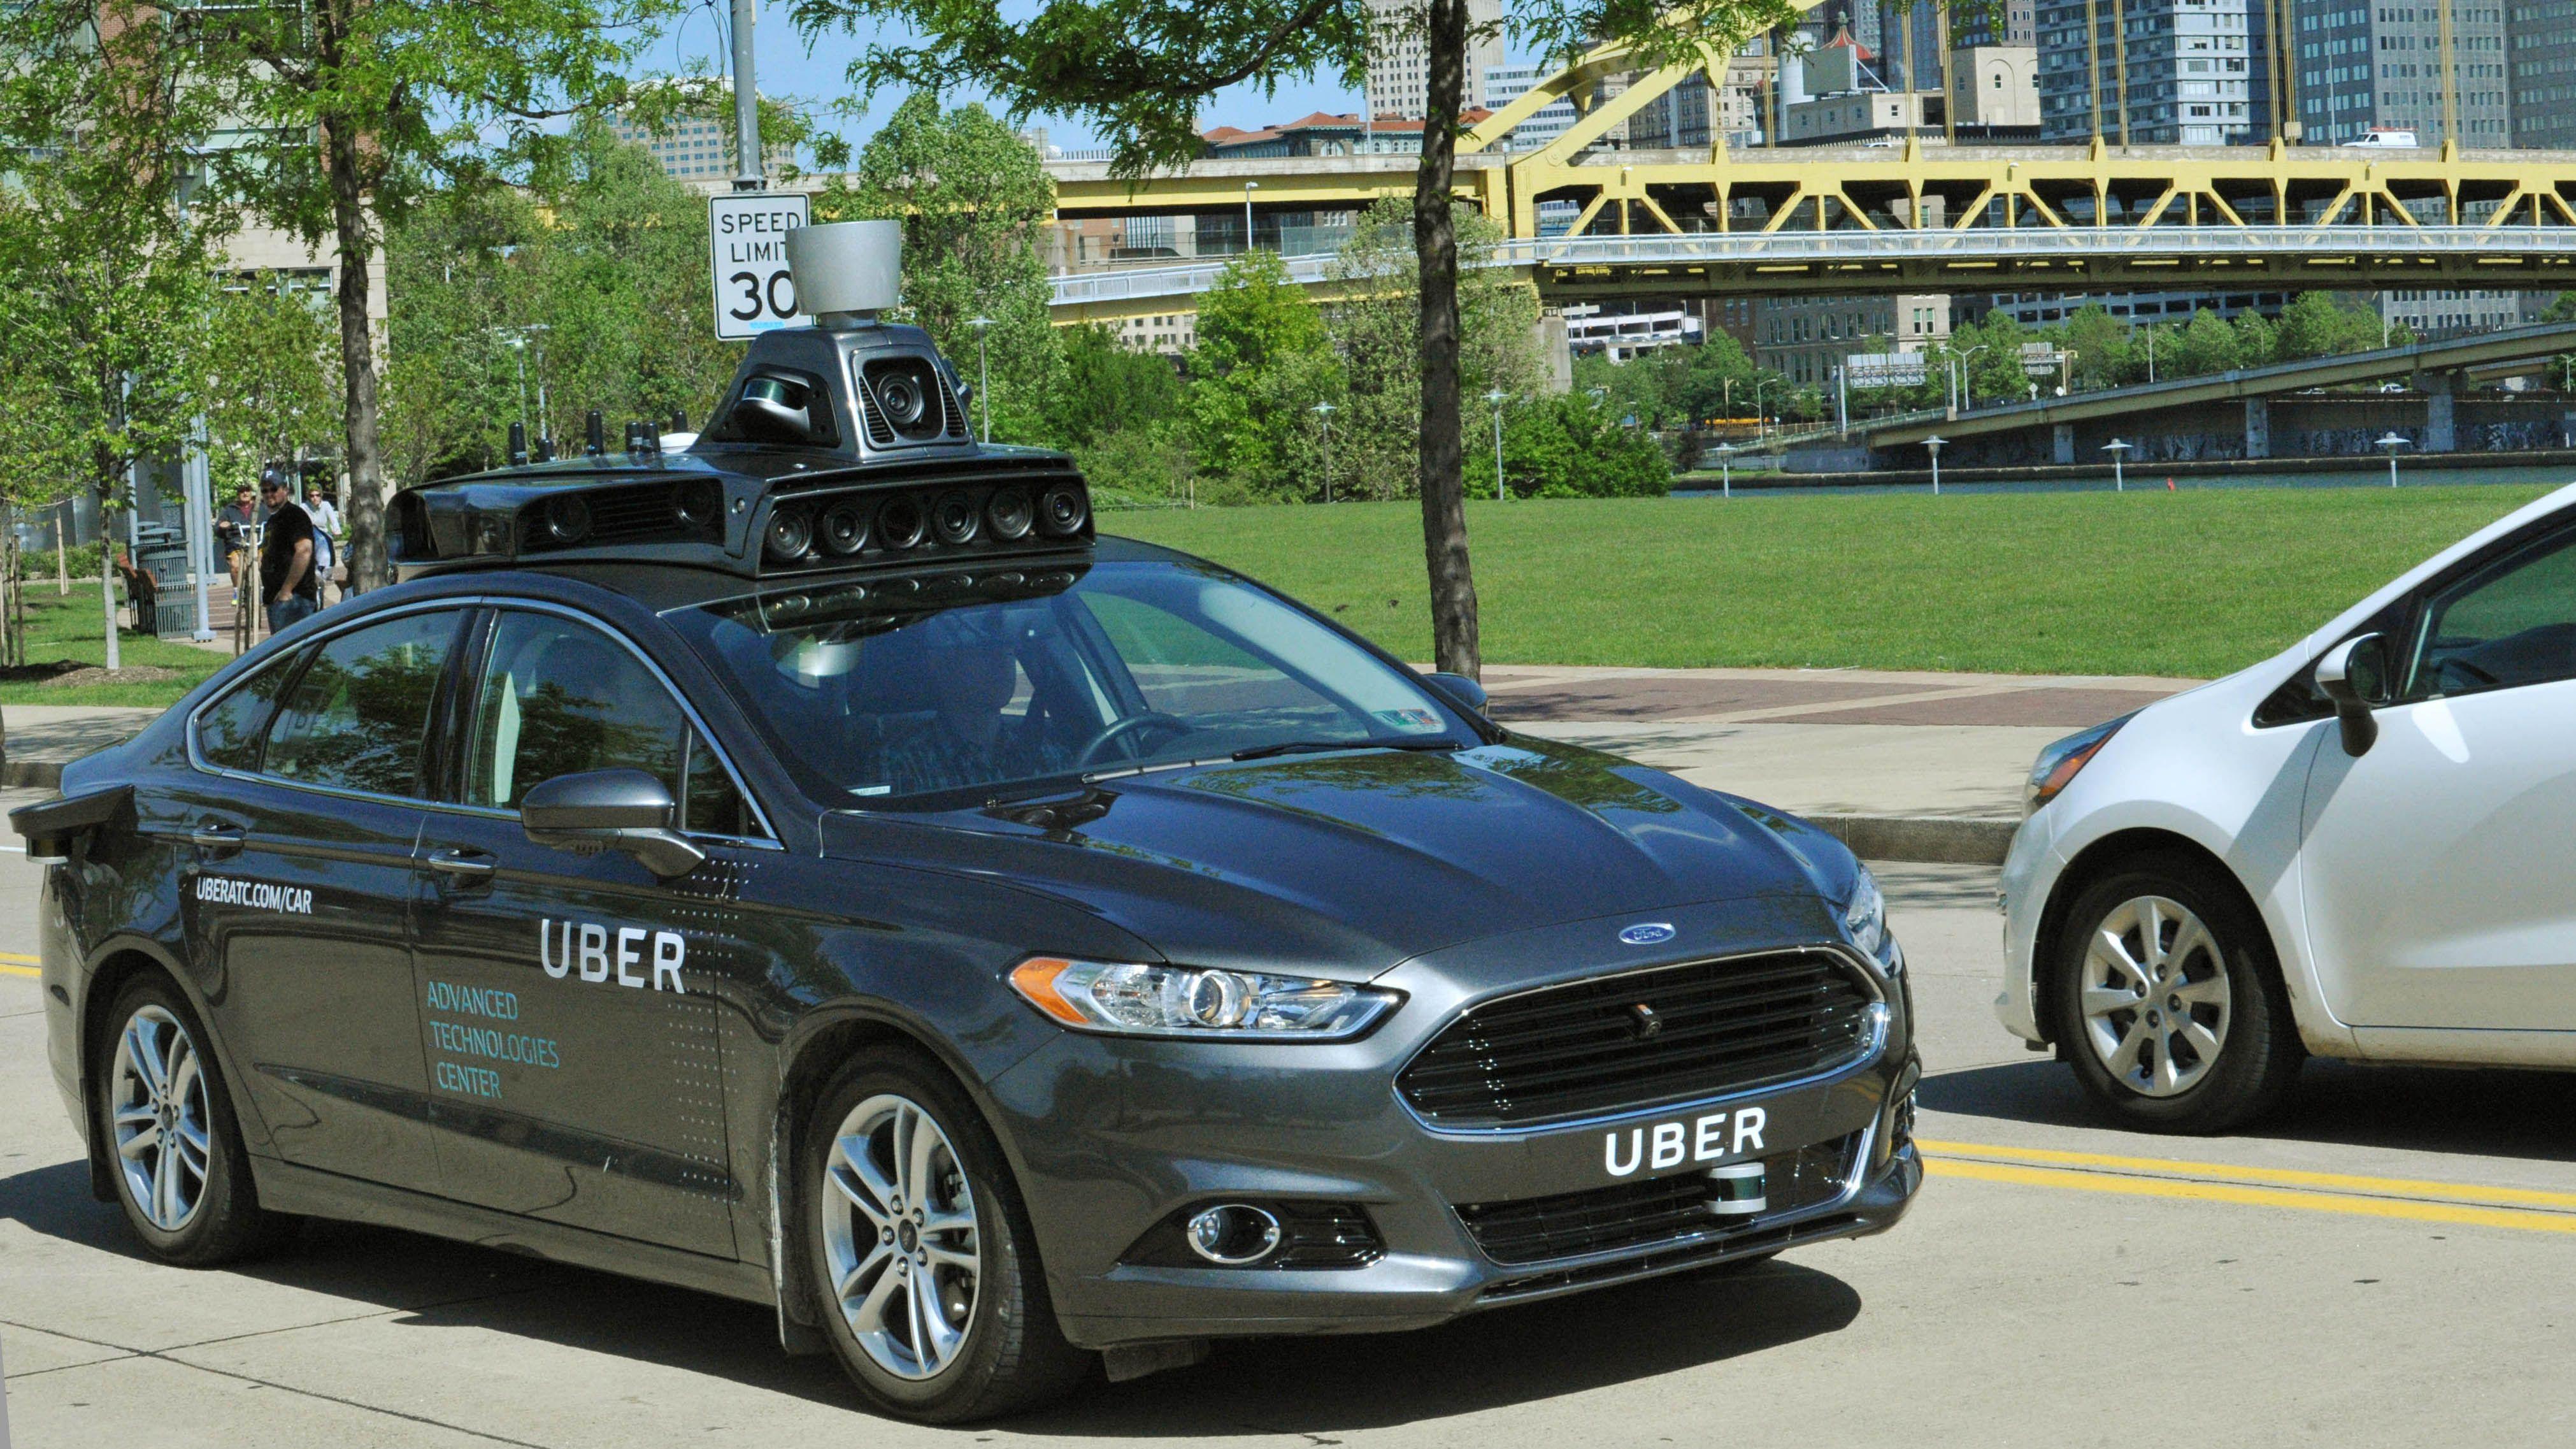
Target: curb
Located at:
point(31, 774)
point(1932, 839)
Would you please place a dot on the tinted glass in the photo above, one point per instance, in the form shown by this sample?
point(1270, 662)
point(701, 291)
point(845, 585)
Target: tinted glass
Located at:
point(356, 718)
point(712, 805)
point(560, 698)
point(1117, 666)
point(230, 731)
point(2511, 623)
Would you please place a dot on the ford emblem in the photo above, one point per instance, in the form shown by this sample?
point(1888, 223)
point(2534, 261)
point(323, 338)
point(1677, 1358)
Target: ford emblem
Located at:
point(1646, 933)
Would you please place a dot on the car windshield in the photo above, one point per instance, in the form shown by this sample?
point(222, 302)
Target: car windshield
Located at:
point(894, 690)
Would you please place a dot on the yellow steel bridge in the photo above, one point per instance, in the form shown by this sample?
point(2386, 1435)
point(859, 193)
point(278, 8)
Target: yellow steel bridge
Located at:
point(1920, 216)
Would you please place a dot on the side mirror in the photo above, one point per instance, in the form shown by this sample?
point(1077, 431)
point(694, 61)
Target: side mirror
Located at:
point(620, 809)
point(2354, 674)
point(1462, 689)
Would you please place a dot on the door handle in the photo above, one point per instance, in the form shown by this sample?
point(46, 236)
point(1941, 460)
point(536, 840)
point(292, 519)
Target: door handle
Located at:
point(216, 837)
point(464, 864)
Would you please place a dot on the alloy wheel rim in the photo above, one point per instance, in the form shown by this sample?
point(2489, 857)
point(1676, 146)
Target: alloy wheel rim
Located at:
point(2154, 996)
point(157, 1110)
point(900, 1237)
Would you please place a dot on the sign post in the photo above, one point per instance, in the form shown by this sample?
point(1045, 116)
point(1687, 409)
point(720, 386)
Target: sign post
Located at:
point(747, 241)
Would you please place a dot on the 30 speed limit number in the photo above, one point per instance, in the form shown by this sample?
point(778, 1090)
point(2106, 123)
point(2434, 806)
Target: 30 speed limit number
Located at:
point(747, 232)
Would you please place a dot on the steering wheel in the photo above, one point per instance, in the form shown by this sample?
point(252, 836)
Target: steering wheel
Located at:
point(1117, 730)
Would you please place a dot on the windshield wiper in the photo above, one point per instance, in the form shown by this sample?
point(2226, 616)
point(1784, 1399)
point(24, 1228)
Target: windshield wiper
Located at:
point(1303, 747)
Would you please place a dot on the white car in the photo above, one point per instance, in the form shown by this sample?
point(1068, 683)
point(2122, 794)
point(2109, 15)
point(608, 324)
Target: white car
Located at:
point(2364, 847)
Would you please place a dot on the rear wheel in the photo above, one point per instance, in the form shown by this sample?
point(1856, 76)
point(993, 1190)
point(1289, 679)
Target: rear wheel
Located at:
point(2167, 1001)
point(182, 1173)
point(922, 1253)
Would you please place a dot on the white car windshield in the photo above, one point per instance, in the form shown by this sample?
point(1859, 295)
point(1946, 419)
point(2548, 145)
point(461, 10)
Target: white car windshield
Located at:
point(897, 689)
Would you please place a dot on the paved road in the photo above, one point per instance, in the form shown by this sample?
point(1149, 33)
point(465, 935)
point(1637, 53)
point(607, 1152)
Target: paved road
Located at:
point(2387, 1264)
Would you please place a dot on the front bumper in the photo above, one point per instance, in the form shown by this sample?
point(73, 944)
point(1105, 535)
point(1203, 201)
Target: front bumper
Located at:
point(1112, 1137)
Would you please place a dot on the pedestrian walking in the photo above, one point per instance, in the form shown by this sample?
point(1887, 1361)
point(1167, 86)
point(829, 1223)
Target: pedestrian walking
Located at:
point(326, 541)
point(288, 585)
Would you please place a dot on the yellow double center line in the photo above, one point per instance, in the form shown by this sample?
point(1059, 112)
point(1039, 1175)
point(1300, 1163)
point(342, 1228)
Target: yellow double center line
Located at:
point(14, 964)
point(2411, 1199)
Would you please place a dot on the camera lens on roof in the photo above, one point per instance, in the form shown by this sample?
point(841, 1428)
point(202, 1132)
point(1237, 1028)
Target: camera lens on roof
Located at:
point(1009, 513)
point(791, 534)
point(845, 528)
point(700, 503)
point(900, 523)
point(907, 392)
point(956, 518)
point(568, 518)
point(1063, 510)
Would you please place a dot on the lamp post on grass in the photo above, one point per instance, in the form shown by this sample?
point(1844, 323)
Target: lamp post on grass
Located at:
point(2118, 451)
point(1323, 412)
point(2392, 442)
point(1725, 469)
point(983, 374)
point(1496, 399)
point(1933, 445)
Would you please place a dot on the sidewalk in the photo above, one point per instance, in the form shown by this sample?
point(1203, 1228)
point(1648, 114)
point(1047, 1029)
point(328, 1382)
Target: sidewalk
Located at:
point(1903, 765)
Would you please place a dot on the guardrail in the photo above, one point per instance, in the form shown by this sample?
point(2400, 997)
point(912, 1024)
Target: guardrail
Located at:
point(2097, 243)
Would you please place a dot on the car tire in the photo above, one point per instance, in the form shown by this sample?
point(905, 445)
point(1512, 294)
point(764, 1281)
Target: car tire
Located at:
point(995, 1347)
point(173, 1144)
point(2206, 1041)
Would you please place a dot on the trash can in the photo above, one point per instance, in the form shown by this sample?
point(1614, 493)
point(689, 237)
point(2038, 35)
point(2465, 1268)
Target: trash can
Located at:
point(162, 551)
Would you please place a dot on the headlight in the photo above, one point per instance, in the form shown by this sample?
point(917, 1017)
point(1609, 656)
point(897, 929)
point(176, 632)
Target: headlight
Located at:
point(1865, 918)
point(2056, 767)
point(1193, 1001)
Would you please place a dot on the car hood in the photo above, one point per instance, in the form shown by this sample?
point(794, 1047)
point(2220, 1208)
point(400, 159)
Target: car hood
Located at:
point(1346, 864)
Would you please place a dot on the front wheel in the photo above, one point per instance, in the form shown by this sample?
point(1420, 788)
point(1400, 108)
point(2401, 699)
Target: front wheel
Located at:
point(2167, 1001)
point(922, 1253)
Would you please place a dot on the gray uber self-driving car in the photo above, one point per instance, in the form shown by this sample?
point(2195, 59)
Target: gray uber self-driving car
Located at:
point(812, 867)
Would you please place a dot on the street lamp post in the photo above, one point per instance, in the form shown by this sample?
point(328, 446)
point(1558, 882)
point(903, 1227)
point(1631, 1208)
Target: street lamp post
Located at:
point(1933, 446)
point(2392, 442)
point(1249, 187)
point(2151, 352)
point(2118, 451)
point(1496, 399)
point(983, 374)
point(1323, 412)
point(1842, 396)
point(1725, 470)
point(1761, 427)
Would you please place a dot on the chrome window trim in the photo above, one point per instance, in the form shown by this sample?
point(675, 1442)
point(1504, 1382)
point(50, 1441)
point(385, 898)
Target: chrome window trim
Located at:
point(467, 604)
point(1872, 1047)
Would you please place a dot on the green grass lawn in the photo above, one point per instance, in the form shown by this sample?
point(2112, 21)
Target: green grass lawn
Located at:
point(2194, 583)
point(71, 627)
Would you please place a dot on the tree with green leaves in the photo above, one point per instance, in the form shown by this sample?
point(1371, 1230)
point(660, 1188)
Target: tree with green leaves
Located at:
point(1138, 71)
point(271, 379)
point(1562, 446)
point(1263, 361)
point(347, 111)
point(103, 326)
point(1374, 324)
point(976, 203)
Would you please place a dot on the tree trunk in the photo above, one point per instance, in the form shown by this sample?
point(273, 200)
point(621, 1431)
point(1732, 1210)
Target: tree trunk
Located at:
point(1435, 243)
point(344, 156)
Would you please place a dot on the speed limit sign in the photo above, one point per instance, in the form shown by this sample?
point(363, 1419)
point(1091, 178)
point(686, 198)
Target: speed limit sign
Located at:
point(747, 237)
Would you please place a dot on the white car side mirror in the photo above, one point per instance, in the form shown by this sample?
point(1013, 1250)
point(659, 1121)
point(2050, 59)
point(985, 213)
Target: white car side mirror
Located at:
point(2354, 675)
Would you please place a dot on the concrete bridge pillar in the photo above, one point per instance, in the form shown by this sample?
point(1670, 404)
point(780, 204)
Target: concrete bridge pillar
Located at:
point(2440, 433)
point(2064, 451)
point(2258, 427)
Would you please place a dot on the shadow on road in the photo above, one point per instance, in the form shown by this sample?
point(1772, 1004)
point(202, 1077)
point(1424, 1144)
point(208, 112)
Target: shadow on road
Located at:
point(1492, 1360)
point(2519, 1114)
point(1302, 1385)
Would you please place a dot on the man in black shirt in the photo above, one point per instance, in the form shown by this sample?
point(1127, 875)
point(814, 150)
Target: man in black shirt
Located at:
point(287, 583)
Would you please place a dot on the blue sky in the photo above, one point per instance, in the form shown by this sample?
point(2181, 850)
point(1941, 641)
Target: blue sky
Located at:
point(785, 66)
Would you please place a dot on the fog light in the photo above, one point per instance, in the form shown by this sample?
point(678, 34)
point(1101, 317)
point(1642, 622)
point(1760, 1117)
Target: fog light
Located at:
point(1232, 1235)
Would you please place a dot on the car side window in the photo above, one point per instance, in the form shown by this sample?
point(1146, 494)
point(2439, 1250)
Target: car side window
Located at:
point(356, 717)
point(231, 730)
point(558, 697)
point(2510, 623)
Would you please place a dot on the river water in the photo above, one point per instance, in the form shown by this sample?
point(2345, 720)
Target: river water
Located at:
point(2139, 479)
